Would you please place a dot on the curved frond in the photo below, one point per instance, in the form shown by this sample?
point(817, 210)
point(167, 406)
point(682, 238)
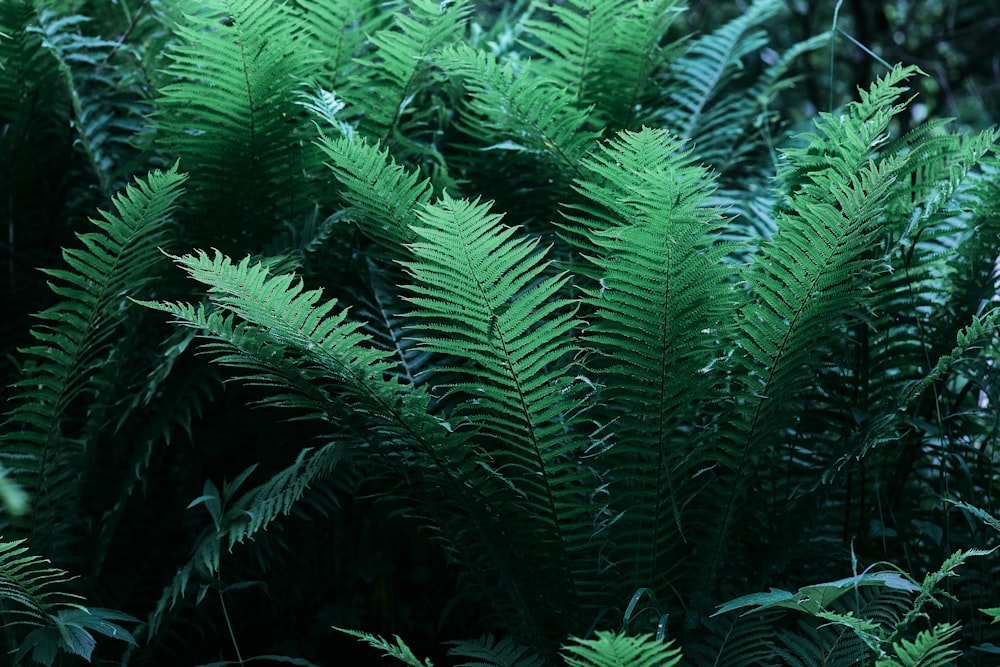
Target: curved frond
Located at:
point(810, 280)
point(385, 196)
point(315, 361)
point(39, 446)
point(400, 651)
point(29, 585)
point(705, 69)
point(513, 109)
point(31, 596)
point(930, 648)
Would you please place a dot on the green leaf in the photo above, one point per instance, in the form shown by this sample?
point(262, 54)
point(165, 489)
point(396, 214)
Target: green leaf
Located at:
point(609, 649)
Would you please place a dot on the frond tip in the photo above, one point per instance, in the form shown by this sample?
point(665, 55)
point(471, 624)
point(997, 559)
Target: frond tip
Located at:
point(611, 649)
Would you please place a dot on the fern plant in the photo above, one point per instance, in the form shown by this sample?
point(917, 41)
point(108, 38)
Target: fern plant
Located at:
point(591, 492)
point(45, 450)
point(567, 304)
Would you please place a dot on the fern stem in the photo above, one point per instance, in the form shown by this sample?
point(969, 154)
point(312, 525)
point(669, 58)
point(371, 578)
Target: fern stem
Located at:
point(833, 48)
point(229, 625)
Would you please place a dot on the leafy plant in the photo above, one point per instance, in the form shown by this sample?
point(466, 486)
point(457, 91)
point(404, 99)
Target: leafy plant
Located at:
point(571, 328)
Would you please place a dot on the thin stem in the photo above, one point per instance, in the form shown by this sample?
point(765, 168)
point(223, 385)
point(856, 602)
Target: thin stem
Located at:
point(833, 48)
point(229, 626)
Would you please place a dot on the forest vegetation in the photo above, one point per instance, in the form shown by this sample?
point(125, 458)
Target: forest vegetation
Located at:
point(516, 334)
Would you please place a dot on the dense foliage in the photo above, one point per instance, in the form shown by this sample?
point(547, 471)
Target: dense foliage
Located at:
point(583, 332)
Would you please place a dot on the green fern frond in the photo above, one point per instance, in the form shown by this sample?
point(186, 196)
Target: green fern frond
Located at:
point(399, 67)
point(39, 447)
point(31, 596)
point(574, 37)
point(609, 649)
point(739, 141)
point(28, 582)
point(931, 589)
point(284, 330)
point(400, 651)
point(242, 518)
point(931, 648)
point(482, 295)
point(108, 109)
point(230, 115)
point(602, 53)
point(662, 304)
point(316, 362)
point(708, 66)
point(339, 29)
point(809, 281)
point(512, 108)
point(385, 196)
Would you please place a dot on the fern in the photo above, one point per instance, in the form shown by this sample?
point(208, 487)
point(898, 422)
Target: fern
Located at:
point(399, 69)
point(569, 408)
point(659, 307)
point(281, 337)
point(706, 68)
point(602, 53)
point(229, 114)
point(513, 109)
point(933, 648)
point(240, 518)
point(609, 649)
point(805, 282)
point(40, 448)
point(339, 30)
point(383, 194)
point(107, 109)
point(481, 295)
point(32, 593)
point(399, 650)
